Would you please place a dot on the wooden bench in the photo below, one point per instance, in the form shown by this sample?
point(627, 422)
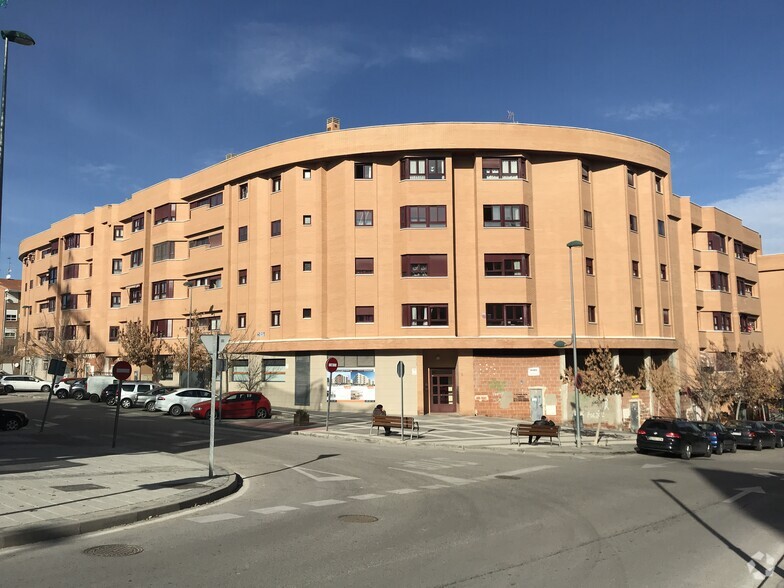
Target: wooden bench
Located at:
point(531, 430)
point(393, 422)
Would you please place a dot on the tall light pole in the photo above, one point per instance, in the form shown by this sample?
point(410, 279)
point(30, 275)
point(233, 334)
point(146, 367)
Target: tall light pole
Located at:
point(21, 39)
point(29, 310)
point(577, 421)
point(189, 285)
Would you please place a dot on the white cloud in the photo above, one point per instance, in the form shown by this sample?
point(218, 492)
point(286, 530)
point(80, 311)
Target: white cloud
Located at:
point(105, 173)
point(445, 48)
point(647, 110)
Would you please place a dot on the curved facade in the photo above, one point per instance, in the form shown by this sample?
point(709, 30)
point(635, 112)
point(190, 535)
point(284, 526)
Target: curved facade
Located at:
point(440, 245)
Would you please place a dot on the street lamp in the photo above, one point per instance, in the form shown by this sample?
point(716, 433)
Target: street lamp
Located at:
point(29, 310)
point(21, 39)
point(577, 422)
point(189, 285)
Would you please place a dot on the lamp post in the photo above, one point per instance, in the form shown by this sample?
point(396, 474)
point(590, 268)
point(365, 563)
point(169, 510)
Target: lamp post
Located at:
point(29, 310)
point(21, 39)
point(189, 285)
point(577, 421)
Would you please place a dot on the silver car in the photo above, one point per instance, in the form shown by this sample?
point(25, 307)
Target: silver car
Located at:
point(23, 384)
point(181, 400)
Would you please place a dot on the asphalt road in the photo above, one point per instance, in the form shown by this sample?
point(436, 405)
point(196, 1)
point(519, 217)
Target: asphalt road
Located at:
point(336, 513)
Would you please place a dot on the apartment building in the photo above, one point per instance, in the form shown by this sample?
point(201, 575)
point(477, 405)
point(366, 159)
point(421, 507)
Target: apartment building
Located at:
point(11, 290)
point(442, 246)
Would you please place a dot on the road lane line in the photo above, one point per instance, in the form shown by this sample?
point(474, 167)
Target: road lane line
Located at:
point(214, 518)
point(448, 479)
point(274, 509)
point(403, 491)
point(368, 496)
point(518, 472)
point(325, 502)
point(435, 486)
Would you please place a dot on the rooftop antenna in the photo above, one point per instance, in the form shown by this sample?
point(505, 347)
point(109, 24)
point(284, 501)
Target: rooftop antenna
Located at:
point(510, 117)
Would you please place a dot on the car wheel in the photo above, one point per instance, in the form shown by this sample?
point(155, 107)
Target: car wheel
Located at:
point(8, 388)
point(79, 395)
point(150, 406)
point(720, 448)
point(780, 442)
point(640, 451)
point(176, 410)
point(758, 445)
point(734, 448)
point(708, 450)
point(207, 415)
point(262, 413)
point(111, 401)
point(12, 424)
point(686, 451)
point(62, 394)
point(46, 388)
point(126, 403)
point(95, 398)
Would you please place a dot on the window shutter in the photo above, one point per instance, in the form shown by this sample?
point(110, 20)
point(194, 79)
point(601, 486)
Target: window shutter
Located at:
point(404, 169)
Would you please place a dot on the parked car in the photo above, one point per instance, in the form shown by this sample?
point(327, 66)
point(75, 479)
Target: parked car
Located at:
point(236, 405)
point(11, 420)
point(95, 386)
point(752, 434)
point(181, 400)
point(75, 388)
point(777, 428)
point(134, 393)
point(720, 438)
point(24, 384)
point(673, 436)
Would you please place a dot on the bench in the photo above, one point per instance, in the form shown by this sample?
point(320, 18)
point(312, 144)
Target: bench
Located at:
point(393, 422)
point(531, 430)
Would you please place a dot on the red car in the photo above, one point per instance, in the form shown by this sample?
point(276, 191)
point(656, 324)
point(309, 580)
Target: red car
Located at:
point(236, 405)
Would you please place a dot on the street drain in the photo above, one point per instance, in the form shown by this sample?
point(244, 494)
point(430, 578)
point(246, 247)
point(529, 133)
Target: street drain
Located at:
point(506, 477)
point(357, 519)
point(115, 550)
point(79, 487)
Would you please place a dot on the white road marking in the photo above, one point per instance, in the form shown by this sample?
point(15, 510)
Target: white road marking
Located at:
point(186, 443)
point(653, 465)
point(214, 518)
point(325, 502)
point(326, 477)
point(518, 472)
point(403, 491)
point(368, 496)
point(437, 463)
point(434, 486)
point(743, 492)
point(448, 479)
point(274, 509)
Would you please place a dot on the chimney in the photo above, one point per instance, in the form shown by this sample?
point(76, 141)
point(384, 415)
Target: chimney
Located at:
point(333, 123)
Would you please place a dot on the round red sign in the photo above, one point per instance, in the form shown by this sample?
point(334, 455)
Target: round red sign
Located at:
point(332, 364)
point(122, 370)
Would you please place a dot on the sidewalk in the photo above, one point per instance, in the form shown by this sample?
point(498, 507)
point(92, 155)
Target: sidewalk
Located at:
point(49, 491)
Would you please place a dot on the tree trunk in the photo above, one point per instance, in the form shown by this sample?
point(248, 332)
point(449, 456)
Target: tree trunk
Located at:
point(599, 423)
point(737, 410)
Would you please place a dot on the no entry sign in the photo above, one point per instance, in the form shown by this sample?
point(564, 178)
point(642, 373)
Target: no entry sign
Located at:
point(332, 364)
point(122, 370)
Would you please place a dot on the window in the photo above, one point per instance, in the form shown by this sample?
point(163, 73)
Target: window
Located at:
point(722, 321)
point(306, 174)
point(630, 177)
point(69, 332)
point(306, 313)
point(274, 369)
point(660, 225)
point(10, 333)
point(242, 234)
point(115, 300)
point(422, 169)
point(215, 240)
point(275, 228)
point(71, 241)
point(211, 323)
point(421, 266)
point(114, 333)
point(666, 316)
point(363, 171)
point(163, 289)
point(505, 215)
point(275, 318)
point(637, 315)
point(47, 305)
point(209, 201)
point(716, 242)
point(307, 220)
point(117, 266)
point(68, 301)
point(743, 252)
point(70, 271)
point(276, 184)
point(591, 314)
point(137, 223)
point(663, 271)
point(307, 266)
point(719, 281)
point(506, 264)
point(745, 288)
point(53, 275)
point(134, 294)
point(163, 251)
point(137, 257)
point(209, 282)
point(11, 315)
point(46, 334)
point(585, 172)
point(89, 298)
point(117, 235)
point(632, 223)
point(748, 323)
point(364, 314)
point(165, 214)
point(242, 321)
point(503, 168)
point(243, 191)
point(363, 265)
point(420, 217)
point(276, 273)
point(657, 180)
point(161, 327)
point(589, 266)
point(363, 218)
point(635, 269)
point(242, 277)
point(425, 315)
point(587, 219)
point(508, 315)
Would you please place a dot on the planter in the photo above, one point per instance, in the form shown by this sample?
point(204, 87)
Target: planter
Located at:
point(301, 417)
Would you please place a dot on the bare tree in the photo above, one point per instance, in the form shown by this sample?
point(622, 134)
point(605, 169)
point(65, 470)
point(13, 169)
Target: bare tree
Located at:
point(242, 352)
point(602, 379)
point(755, 384)
point(200, 358)
point(59, 339)
point(664, 383)
point(139, 345)
point(710, 384)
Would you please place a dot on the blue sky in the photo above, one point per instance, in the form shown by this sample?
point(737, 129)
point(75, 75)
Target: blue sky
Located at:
point(119, 95)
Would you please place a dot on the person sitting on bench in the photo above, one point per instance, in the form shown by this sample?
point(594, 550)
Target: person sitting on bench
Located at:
point(542, 421)
point(379, 411)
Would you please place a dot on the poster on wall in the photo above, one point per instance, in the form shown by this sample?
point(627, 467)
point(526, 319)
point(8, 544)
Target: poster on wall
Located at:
point(353, 385)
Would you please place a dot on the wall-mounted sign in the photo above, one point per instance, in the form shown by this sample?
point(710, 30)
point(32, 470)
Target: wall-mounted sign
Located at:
point(533, 371)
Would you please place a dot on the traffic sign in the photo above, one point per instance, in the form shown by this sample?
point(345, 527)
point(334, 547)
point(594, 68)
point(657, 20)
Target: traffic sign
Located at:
point(122, 370)
point(211, 341)
point(401, 369)
point(332, 364)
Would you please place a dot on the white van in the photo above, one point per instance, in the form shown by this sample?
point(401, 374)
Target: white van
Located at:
point(96, 384)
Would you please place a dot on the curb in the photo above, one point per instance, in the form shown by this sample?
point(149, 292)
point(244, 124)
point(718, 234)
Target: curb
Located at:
point(89, 524)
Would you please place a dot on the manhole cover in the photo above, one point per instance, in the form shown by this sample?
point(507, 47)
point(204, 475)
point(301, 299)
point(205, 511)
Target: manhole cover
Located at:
point(116, 550)
point(79, 487)
point(357, 519)
point(507, 478)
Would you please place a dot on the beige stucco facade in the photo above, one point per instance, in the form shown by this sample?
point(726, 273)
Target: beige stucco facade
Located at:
point(341, 198)
point(771, 275)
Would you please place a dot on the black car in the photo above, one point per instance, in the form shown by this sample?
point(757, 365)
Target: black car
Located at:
point(752, 434)
point(673, 436)
point(721, 439)
point(11, 420)
point(777, 428)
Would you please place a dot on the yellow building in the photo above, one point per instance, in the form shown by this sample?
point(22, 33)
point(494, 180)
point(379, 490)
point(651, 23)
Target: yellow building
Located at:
point(442, 246)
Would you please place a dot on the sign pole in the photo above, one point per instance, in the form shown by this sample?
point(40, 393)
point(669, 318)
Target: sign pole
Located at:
point(56, 368)
point(212, 405)
point(331, 365)
point(48, 401)
point(121, 371)
point(401, 371)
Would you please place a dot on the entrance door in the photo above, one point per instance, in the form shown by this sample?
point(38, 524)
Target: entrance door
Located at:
point(443, 397)
point(634, 415)
point(536, 405)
